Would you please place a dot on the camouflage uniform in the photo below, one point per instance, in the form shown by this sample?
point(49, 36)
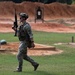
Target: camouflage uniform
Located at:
point(22, 52)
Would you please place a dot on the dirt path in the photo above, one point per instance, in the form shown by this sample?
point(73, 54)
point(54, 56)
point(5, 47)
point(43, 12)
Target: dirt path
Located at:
point(65, 25)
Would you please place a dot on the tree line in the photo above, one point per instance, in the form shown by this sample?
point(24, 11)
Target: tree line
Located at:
point(47, 1)
point(43, 1)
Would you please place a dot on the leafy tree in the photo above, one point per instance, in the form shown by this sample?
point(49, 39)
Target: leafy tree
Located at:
point(62, 1)
point(48, 1)
point(17, 1)
point(69, 1)
point(43, 1)
point(65, 1)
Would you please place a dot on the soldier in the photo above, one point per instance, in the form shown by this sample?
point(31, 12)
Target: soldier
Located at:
point(26, 40)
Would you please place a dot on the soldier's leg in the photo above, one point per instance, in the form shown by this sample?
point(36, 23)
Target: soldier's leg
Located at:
point(26, 57)
point(20, 61)
point(20, 57)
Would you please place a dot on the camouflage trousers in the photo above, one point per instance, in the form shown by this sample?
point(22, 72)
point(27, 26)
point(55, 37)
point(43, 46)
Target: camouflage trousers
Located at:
point(22, 54)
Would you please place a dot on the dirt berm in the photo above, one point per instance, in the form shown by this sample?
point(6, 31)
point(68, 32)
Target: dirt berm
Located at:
point(53, 10)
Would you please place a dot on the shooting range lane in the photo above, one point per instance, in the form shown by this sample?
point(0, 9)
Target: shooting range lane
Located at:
point(47, 26)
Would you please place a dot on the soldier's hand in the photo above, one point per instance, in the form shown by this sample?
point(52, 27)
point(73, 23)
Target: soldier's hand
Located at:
point(32, 44)
point(13, 28)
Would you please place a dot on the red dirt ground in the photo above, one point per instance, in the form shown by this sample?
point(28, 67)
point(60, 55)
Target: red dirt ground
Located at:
point(47, 27)
point(38, 50)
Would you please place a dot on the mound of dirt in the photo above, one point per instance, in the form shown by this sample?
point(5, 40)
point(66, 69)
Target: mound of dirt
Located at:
point(38, 50)
point(57, 10)
point(53, 10)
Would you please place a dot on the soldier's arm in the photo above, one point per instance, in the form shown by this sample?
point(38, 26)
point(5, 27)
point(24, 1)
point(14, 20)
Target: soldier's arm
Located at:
point(29, 31)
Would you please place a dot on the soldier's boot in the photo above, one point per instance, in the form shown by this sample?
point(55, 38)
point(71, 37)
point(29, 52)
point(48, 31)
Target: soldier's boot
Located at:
point(35, 66)
point(18, 70)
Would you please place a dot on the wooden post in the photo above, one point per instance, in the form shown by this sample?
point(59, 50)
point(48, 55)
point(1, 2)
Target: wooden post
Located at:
point(72, 39)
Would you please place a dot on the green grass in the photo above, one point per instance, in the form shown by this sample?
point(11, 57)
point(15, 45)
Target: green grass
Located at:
point(42, 37)
point(51, 38)
point(61, 64)
point(9, 37)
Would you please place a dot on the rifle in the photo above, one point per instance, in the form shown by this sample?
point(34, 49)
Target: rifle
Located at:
point(15, 24)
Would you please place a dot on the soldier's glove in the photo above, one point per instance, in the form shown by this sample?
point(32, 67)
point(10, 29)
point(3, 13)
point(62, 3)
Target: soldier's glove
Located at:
point(32, 44)
point(14, 28)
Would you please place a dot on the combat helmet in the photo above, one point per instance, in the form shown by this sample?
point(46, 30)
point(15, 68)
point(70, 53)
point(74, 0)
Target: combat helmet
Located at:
point(24, 15)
